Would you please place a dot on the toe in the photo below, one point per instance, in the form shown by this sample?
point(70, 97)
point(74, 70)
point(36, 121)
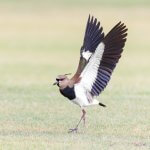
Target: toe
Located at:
point(73, 130)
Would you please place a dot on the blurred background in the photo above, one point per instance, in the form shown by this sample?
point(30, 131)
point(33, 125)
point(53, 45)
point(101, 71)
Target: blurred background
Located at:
point(40, 39)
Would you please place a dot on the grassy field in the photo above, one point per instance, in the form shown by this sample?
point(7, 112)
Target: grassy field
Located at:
point(38, 42)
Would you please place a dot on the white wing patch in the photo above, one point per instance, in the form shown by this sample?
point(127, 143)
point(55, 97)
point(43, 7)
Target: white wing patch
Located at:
point(89, 74)
point(86, 55)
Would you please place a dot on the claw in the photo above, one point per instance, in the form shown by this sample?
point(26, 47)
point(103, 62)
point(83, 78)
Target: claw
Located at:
point(76, 127)
point(73, 130)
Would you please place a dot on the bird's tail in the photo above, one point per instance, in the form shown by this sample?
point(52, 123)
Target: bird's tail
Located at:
point(102, 105)
point(96, 102)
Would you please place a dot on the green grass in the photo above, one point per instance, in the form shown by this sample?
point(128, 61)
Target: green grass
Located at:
point(36, 46)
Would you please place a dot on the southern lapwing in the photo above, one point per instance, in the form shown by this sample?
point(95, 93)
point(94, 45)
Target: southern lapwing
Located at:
point(99, 55)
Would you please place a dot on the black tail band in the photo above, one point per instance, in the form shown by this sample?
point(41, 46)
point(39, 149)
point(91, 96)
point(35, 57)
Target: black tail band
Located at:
point(102, 105)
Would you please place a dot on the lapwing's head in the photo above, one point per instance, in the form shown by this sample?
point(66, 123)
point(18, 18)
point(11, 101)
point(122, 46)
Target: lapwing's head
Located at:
point(62, 80)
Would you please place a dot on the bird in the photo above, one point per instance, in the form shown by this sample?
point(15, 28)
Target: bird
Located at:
point(99, 55)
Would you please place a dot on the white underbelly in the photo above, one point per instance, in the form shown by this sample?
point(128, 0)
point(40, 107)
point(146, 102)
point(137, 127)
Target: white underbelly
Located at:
point(82, 97)
point(79, 102)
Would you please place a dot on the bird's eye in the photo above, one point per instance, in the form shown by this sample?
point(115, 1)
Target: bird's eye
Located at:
point(61, 79)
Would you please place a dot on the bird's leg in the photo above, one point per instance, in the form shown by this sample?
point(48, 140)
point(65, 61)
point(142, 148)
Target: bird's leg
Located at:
point(84, 112)
point(82, 117)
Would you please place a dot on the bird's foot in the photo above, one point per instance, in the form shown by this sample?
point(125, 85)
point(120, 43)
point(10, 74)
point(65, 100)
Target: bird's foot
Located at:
point(73, 130)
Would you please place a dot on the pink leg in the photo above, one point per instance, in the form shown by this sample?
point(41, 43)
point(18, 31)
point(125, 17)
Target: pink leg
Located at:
point(84, 112)
point(76, 128)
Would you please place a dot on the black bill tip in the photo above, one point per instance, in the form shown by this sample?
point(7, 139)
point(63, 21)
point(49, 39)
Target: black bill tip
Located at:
point(55, 83)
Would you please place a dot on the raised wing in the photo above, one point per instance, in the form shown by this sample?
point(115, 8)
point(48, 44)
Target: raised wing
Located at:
point(97, 73)
point(93, 36)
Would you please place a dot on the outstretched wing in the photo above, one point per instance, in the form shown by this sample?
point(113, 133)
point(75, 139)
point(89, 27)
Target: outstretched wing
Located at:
point(97, 73)
point(93, 36)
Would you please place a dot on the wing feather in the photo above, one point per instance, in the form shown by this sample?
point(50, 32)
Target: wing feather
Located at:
point(97, 73)
point(90, 72)
point(93, 36)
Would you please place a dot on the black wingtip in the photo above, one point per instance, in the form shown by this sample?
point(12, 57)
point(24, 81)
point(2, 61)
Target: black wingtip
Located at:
point(93, 34)
point(89, 18)
point(102, 105)
point(92, 19)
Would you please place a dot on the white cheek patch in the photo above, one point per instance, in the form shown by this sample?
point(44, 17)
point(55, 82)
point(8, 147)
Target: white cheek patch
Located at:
point(87, 55)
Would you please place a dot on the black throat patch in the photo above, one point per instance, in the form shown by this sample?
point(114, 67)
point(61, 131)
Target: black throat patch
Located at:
point(68, 92)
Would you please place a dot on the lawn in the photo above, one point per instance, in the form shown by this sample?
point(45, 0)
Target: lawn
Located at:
point(39, 42)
